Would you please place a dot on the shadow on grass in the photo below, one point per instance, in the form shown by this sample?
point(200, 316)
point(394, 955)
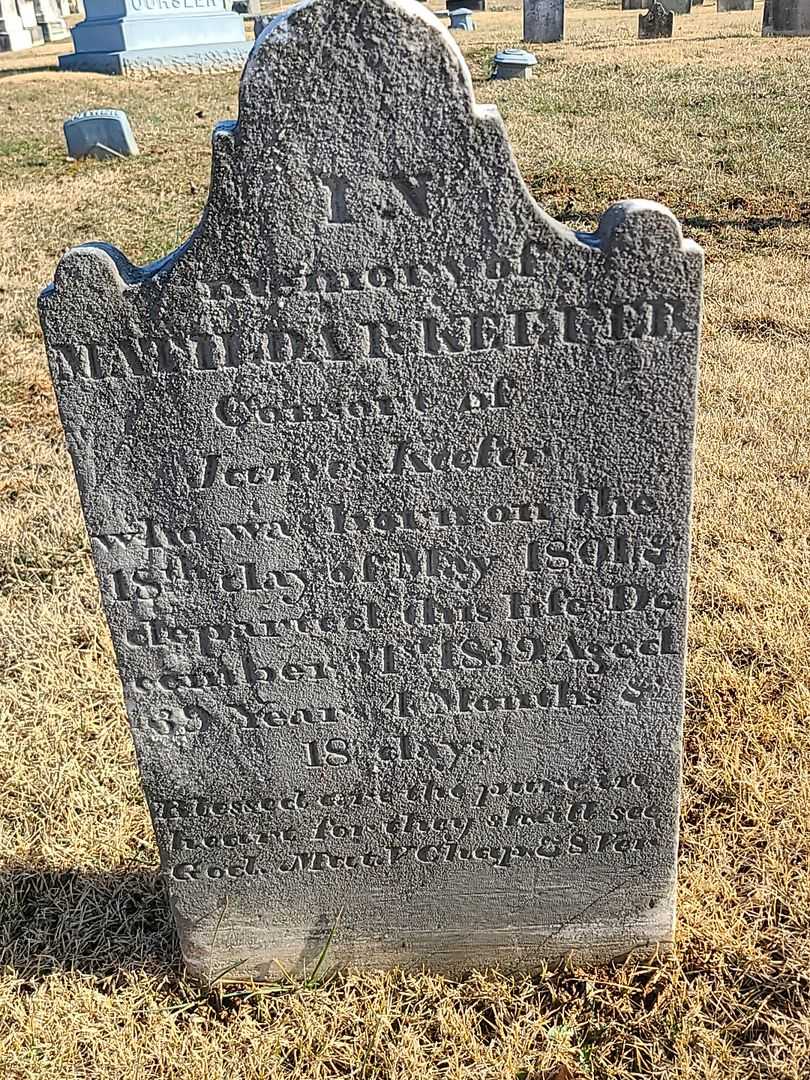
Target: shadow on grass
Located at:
point(696, 221)
point(93, 923)
point(7, 73)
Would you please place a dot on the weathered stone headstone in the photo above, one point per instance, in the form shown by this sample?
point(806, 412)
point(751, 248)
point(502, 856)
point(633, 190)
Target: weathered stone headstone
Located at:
point(633, 5)
point(126, 37)
point(514, 64)
point(14, 35)
point(735, 5)
point(543, 20)
point(677, 7)
point(656, 23)
point(786, 18)
point(387, 476)
point(100, 133)
point(461, 18)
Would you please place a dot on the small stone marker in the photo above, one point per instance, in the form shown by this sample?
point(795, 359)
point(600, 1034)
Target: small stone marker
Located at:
point(388, 477)
point(132, 37)
point(677, 7)
point(633, 5)
point(786, 18)
point(543, 20)
point(461, 19)
point(100, 133)
point(735, 5)
point(656, 23)
point(514, 64)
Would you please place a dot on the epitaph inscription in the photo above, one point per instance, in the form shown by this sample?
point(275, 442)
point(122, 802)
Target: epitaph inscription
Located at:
point(387, 477)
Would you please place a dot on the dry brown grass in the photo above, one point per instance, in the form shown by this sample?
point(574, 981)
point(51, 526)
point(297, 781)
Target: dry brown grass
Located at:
point(716, 123)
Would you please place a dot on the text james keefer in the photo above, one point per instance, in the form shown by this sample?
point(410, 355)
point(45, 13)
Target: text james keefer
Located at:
point(387, 478)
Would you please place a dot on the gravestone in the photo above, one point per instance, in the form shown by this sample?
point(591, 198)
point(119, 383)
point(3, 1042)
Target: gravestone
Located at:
point(28, 14)
point(786, 18)
point(677, 7)
point(656, 23)
point(14, 35)
point(633, 5)
point(543, 20)
point(461, 18)
point(131, 37)
point(470, 5)
point(387, 476)
point(735, 5)
point(50, 21)
point(100, 133)
point(514, 64)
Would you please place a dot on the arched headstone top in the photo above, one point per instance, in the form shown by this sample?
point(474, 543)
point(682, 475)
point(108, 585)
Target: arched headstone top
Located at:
point(387, 476)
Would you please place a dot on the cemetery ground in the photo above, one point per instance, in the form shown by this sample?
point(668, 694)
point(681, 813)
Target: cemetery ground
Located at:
point(715, 124)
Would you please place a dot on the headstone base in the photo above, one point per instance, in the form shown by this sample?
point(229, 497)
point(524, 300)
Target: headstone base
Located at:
point(182, 59)
point(269, 948)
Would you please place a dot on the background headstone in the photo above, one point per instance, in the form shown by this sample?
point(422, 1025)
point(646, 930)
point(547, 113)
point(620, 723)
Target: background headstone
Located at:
point(28, 14)
point(656, 23)
point(633, 5)
point(470, 5)
point(14, 35)
point(786, 18)
point(543, 20)
point(120, 37)
point(461, 18)
point(735, 5)
point(50, 21)
point(100, 133)
point(677, 7)
point(388, 476)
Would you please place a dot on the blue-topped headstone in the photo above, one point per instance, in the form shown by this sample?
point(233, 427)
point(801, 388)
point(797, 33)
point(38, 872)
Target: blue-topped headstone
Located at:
point(461, 19)
point(100, 133)
point(514, 64)
point(120, 37)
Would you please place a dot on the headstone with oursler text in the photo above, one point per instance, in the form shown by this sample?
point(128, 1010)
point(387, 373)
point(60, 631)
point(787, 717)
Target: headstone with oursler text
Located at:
point(387, 477)
point(144, 37)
